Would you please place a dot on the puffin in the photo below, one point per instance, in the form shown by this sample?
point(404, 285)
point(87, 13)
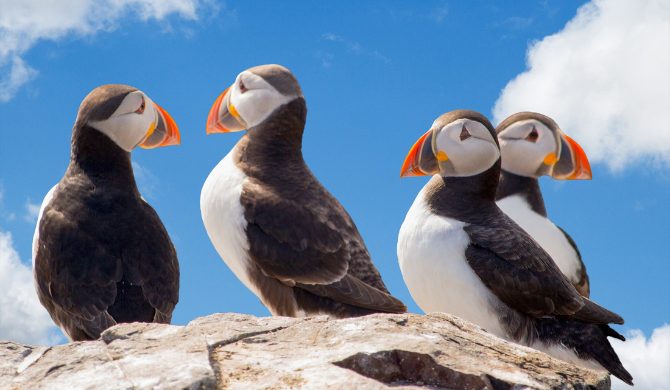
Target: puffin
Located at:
point(284, 236)
point(459, 253)
point(101, 255)
point(532, 145)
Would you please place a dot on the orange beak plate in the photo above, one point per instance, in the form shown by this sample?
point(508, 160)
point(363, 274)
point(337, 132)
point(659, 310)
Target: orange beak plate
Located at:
point(165, 133)
point(421, 159)
point(573, 163)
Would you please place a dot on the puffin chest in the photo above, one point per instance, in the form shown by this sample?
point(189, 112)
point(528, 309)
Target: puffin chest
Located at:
point(431, 252)
point(223, 216)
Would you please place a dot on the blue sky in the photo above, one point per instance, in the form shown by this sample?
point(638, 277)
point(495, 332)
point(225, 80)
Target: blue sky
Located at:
point(375, 75)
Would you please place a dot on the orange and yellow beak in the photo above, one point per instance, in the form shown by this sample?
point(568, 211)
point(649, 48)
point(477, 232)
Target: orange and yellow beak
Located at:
point(163, 131)
point(223, 117)
point(572, 164)
point(421, 159)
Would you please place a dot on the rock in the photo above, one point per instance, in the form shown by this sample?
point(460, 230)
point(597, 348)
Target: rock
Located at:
point(235, 351)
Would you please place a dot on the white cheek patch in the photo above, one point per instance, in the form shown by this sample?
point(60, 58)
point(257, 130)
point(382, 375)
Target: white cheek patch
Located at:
point(467, 163)
point(259, 101)
point(472, 155)
point(524, 157)
point(126, 127)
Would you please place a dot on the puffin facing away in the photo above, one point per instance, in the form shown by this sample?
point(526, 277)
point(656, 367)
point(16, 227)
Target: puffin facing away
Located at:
point(277, 228)
point(460, 254)
point(101, 255)
point(533, 145)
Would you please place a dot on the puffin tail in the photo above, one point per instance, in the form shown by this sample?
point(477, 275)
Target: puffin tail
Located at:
point(609, 332)
point(588, 341)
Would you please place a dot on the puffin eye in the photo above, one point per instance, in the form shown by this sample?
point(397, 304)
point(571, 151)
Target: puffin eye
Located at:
point(141, 109)
point(532, 136)
point(243, 87)
point(465, 134)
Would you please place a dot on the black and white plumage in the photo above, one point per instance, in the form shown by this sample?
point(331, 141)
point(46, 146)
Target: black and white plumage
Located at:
point(533, 145)
point(101, 254)
point(460, 254)
point(277, 228)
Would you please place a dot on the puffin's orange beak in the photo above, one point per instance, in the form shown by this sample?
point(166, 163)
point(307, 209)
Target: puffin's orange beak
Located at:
point(164, 131)
point(421, 159)
point(572, 164)
point(223, 118)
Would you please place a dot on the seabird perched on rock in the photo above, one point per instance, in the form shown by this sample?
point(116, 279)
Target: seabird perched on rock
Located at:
point(101, 254)
point(460, 254)
point(532, 145)
point(277, 228)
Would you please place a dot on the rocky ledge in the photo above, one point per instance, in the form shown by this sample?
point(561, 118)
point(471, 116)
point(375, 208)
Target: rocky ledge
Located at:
point(234, 351)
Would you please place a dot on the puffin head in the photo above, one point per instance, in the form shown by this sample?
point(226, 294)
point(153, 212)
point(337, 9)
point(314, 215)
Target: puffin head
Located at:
point(460, 143)
point(256, 93)
point(533, 145)
point(128, 117)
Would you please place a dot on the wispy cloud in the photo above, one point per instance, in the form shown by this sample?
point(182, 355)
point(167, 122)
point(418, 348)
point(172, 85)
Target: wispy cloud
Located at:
point(515, 23)
point(379, 55)
point(439, 13)
point(647, 360)
point(22, 317)
point(325, 58)
point(604, 79)
point(551, 11)
point(332, 37)
point(5, 216)
point(352, 46)
point(19, 74)
point(146, 181)
point(23, 23)
point(33, 211)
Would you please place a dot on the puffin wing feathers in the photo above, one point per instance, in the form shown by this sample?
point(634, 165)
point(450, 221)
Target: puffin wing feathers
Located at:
point(517, 270)
point(71, 268)
point(313, 243)
point(153, 264)
point(78, 263)
point(296, 241)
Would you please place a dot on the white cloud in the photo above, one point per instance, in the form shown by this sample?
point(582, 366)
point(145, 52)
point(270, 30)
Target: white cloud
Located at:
point(33, 212)
point(19, 74)
point(23, 23)
point(22, 317)
point(648, 361)
point(605, 79)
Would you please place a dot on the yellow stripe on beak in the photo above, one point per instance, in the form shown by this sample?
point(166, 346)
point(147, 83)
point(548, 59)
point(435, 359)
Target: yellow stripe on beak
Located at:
point(151, 130)
point(550, 159)
point(233, 111)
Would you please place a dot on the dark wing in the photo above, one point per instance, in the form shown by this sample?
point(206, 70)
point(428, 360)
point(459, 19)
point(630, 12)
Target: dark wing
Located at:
point(82, 255)
point(152, 263)
point(76, 273)
point(517, 270)
point(313, 242)
point(582, 285)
